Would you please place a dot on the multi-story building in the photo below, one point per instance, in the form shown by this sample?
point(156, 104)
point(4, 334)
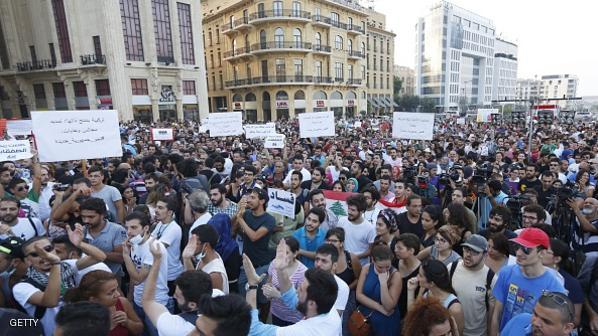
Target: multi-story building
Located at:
point(407, 77)
point(527, 89)
point(274, 59)
point(454, 60)
point(505, 70)
point(380, 64)
point(548, 87)
point(142, 58)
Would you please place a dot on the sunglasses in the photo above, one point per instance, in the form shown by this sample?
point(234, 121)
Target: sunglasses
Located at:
point(21, 188)
point(47, 248)
point(560, 300)
point(526, 250)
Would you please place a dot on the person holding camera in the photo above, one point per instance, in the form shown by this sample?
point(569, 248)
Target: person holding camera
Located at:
point(586, 223)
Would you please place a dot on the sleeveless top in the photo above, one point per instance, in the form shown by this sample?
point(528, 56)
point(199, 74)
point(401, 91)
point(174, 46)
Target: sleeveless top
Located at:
point(217, 266)
point(119, 330)
point(347, 275)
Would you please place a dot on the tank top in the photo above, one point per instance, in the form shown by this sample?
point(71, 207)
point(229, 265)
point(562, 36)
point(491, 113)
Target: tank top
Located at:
point(217, 266)
point(119, 330)
point(347, 275)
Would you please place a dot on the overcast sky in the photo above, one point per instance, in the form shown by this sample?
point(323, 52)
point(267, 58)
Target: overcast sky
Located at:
point(554, 37)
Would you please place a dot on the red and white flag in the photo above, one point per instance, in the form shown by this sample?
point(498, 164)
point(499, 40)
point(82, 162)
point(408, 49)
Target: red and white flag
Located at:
point(336, 201)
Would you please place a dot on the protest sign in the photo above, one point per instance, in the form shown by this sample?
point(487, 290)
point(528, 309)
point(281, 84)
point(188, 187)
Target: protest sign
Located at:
point(225, 123)
point(316, 124)
point(485, 115)
point(414, 126)
point(75, 135)
point(274, 141)
point(18, 127)
point(13, 150)
point(460, 121)
point(166, 134)
point(281, 202)
point(259, 131)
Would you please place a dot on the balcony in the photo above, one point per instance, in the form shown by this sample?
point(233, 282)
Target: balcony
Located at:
point(267, 80)
point(167, 60)
point(92, 59)
point(355, 54)
point(264, 47)
point(322, 49)
point(338, 24)
point(355, 29)
point(37, 65)
point(322, 80)
point(237, 53)
point(354, 82)
point(319, 20)
point(237, 25)
point(280, 14)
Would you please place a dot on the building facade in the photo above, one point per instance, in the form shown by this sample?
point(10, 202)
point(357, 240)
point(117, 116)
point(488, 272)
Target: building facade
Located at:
point(142, 58)
point(407, 77)
point(380, 64)
point(505, 70)
point(528, 89)
point(274, 59)
point(454, 62)
point(547, 87)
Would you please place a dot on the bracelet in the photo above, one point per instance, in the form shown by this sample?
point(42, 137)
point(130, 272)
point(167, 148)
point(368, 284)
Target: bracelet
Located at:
point(56, 263)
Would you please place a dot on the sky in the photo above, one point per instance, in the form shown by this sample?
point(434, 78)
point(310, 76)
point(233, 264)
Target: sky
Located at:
point(554, 37)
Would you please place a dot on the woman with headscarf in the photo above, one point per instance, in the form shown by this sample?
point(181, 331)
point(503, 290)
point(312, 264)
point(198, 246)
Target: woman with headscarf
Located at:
point(227, 248)
point(352, 185)
point(386, 226)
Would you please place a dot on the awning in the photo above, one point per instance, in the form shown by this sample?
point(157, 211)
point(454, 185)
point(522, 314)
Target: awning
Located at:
point(373, 102)
point(379, 102)
point(388, 102)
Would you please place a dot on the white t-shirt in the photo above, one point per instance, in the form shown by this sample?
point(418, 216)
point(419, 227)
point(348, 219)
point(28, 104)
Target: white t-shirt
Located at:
point(321, 325)
point(217, 266)
point(22, 291)
point(24, 230)
point(304, 172)
point(358, 237)
point(343, 294)
point(203, 219)
point(141, 255)
point(44, 201)
point(371, 216)
point(171, 235)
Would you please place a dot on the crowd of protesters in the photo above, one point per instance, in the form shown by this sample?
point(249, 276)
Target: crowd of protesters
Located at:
point(476, 232)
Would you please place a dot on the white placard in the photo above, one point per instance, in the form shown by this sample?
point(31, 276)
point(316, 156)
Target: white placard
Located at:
point(18, 127)
point(485, 115)
point(415, 126)
point(460, 121)
point(316, 124)
point(225, 123)
point(259, 131)
point(162, 134)
point(75, 135)
point(281, 202)
point(274, 141)
point(13, 150)
point(357, 124)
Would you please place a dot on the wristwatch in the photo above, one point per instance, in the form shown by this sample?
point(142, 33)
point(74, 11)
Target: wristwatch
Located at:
point(249, 287)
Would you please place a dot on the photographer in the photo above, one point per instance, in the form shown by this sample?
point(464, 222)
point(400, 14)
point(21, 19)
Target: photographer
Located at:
point(546, 191)
point(586, 226)
point(423, 187)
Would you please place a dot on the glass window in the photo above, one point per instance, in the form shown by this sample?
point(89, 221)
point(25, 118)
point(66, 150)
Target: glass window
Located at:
point(186, 32)
point(338, 71)
point(102, 87)
point(129, 14)
point(189, 87)
point(162, 30)
point(62, 31)
point(280, 67)
point(59, 91)
point(338, 42)
point(318, 39)
point(139, 87)
point(278, 37)
point(318, 69)
point(277, 8)
point(297, 37)
point(298, 63)
point(296, 8)
point(334, 18)
point(350, 45)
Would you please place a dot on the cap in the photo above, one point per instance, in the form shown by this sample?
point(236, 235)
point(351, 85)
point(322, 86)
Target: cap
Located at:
point(12, 247)
point(532, 237)
point(477, 243)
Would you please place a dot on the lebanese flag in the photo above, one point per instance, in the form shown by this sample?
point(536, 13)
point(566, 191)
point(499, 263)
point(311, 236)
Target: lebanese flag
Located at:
point(398, 208)
point(336, 201)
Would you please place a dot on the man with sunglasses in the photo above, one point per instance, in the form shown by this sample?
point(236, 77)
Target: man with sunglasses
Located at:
point(11, 225)
point(519, 286)
point(552, 316)
point(27, 195)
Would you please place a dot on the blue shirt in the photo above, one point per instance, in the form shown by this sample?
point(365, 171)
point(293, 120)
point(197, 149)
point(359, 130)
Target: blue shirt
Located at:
point(309, 244)
point(289, 298)
point(520, 325)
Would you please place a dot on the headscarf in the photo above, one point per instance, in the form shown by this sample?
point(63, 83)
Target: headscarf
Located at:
point(390, 218)
point(354, 180)
point(226, 244)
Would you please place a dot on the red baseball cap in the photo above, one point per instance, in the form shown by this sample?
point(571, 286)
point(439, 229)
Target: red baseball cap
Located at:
point(532, 237)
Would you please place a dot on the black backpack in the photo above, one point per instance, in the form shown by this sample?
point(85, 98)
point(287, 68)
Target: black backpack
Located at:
point(489, 277)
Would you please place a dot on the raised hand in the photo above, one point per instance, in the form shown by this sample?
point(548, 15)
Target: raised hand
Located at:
point(282, 260)
point(189, 251)
point(76, 235)
point(155, 249)
point(252, 277)
point(52, 258)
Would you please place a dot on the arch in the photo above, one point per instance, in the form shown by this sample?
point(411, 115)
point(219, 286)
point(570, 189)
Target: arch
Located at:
point(336, 95)
point(250, 97)
point(266, 96)
point(297, 35)
point(237, 97)
point(351, 95)
point(320, 95)
point(282, 95)
point(278, 37)
point(300, 95)
point(349, 45)
point(338, 42)
point(318, 39)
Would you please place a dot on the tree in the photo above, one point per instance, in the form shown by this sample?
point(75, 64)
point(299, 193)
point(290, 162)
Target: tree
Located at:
point(427, 105)
point(338, 209)
point(397, 85)
point(408, 102)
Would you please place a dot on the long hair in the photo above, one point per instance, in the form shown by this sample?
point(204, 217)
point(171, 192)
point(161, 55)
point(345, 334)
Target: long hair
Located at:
point(90, 286)
point(426, 313)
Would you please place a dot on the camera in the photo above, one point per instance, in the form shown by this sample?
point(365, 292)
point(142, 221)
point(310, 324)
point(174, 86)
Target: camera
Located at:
point(61, 187)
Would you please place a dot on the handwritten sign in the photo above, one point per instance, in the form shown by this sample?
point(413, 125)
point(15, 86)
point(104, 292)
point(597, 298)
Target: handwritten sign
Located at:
point(225, 123)
point(316, 124)
point(274, 141)
point(460, 121)
point(15, 150)
point(18, 127)
point(162, 134)
point(75, 135)
point(281, 202)
point(259, 131)
point(415, 126)
point(485, 115)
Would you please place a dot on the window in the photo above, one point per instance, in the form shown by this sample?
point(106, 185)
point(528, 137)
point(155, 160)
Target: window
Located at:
point(248, 71)
point(39, 91)
point(350, 71)
point(261, 10)
point(62, 31)
point(162, 31)
point(80, 89)
point(381, 64)
point(298, 63)
point(297, 37)
point(338, 42)
point(334, 18)
point(102, 87)
point(214, 82)
point(217, 36)
point(318, 40)
point(296, 9)
point(139, 87)
point(363, 72)
point(374, 63)
point(52, 53)
point(264, 70)
point(318, 68)
point(350, 45)
point(278, 37)
point(33, 55)
point(362, 49)
point(375, 43)
point(210, 37)
point(338, 71)
point(189, 87)
point(97, 46)
point(262, 39)
point(129, 14)
point(186, 32)
point(277, 8)
point(280, 67)
point(381, 45)
point(221, 82)
point(59, 91)
point(350, 22)
point(3, 51)
point(381, 82)
point(219, 59)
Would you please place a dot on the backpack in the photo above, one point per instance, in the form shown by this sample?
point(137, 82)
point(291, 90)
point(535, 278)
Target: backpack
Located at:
point(190, 317)
point(489, 277)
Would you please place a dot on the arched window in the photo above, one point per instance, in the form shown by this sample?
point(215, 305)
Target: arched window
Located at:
point(318, 40)
point(336, 95)
point(263, 39)
point(250, 97)
point(350, 95)
point(320, 95)
point(363, 49)
point(234, 46)
point(349, 45)
point(237, 98)
point(278, 37)
point(300, 95)
point(282, 95)
point(338, 42)
point(297, 37)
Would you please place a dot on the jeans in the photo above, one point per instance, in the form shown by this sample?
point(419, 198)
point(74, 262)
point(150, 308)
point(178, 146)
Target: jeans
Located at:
point(351, 305)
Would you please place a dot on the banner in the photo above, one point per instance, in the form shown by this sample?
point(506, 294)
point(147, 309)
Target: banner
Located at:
point(485, 115)
point(13, 150)
point(161, 134)
point(316, 124)
point(414, 126)
point(281, 202)
point(75, 135)
point(259, 131)
point(18, 127)
point(225, 123)
point(382, 204)
point(460, 121)
point(274, 141)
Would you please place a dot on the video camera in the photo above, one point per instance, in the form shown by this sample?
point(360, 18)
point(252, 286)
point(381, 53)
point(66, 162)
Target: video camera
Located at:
point(481, 177)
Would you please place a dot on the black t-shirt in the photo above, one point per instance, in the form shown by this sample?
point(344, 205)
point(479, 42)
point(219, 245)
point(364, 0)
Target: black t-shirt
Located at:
point(258, 251)
point(526, 184)
point(405, 226)
point(545, 196)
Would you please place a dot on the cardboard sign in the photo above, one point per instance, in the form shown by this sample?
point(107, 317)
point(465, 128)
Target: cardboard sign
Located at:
point(13, 150)
point(225, 123)
point(274, 141)
point(259, 131)
point(415, 126)
point(75, 135)
point(18, 127)
point(316, 124)
point(162, 134)
point(281, 202)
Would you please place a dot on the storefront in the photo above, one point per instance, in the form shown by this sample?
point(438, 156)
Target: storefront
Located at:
point(142, 108)
point(190, 108)
point(167, 104)
point(336, 104)
point(250, 108)
point(319, 101)
point(282, 105)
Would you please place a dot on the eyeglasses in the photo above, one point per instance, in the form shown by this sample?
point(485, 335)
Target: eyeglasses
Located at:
point(47, 248)
point(526, 250)
point(561, 300)
point(21, 188)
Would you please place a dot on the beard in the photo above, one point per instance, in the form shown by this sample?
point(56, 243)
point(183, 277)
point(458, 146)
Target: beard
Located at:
point(8, 218)
point(218, 202)
point(352, 218)
point(302, 307)
point(184, 307)
point(495, 229)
